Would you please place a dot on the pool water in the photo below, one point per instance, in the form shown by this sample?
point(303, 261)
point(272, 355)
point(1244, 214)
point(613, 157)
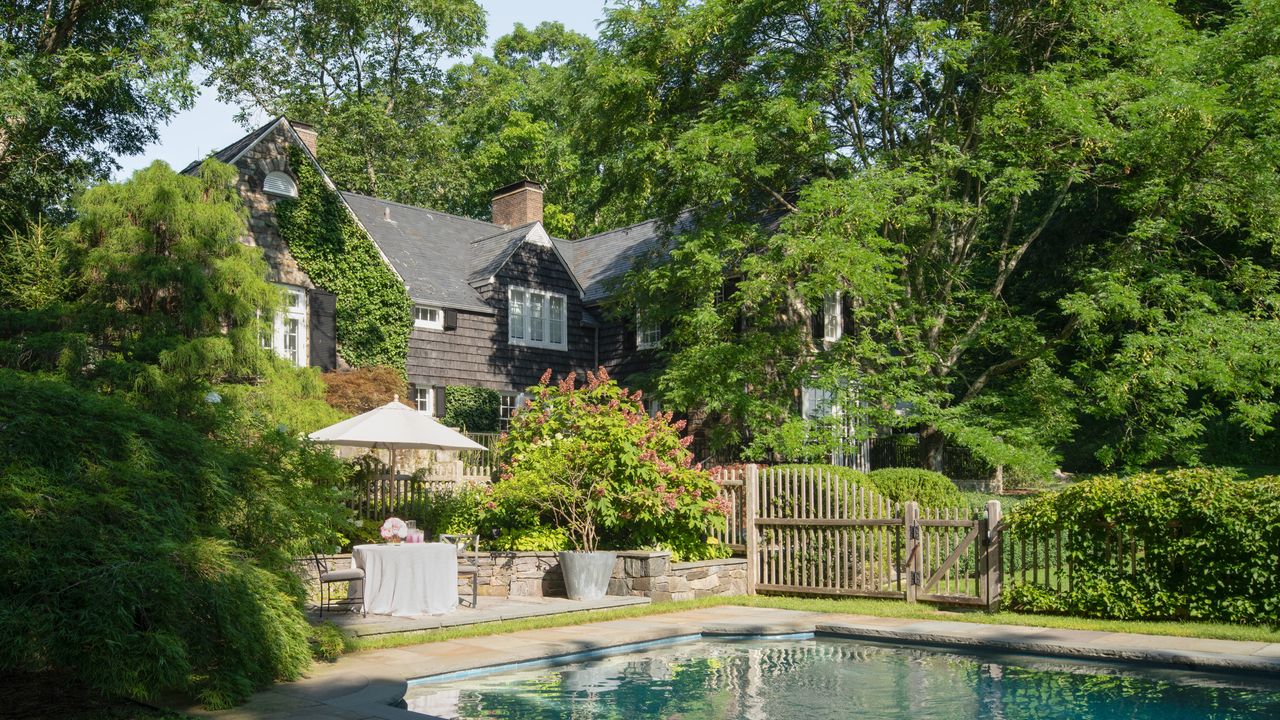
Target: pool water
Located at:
point(818, 678)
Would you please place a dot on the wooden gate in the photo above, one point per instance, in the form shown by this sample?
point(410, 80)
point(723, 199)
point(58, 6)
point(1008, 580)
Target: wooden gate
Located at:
point(810, 531)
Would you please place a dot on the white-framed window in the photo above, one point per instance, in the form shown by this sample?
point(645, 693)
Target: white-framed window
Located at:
point(287, 334)
point(424, 399)
point(816, 403)
point(648, 333)
point(279, 183)
point(431, 318)
point(537, 318)
point(508, 405)
point(832, 318)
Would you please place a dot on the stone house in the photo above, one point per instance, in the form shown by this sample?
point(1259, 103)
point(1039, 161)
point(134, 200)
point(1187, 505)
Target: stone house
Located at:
point(495, 302)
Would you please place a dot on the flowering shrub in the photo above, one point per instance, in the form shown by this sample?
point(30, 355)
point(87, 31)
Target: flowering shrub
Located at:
point(590, 460)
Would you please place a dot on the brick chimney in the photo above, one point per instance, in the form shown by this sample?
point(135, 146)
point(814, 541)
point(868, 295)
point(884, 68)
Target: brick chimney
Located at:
point(517, 204)
point(306, 134)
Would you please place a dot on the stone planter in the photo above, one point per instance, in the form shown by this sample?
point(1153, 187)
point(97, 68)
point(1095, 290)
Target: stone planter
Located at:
point(586, 574)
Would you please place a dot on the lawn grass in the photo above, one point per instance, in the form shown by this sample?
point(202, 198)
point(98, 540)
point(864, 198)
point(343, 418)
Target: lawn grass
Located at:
point(851, 606)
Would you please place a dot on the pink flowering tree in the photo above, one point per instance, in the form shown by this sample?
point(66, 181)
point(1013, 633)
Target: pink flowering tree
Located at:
point(589, 459)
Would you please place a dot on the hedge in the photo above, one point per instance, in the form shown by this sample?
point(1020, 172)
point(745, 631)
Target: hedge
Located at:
point(1207, 547)
point(473, 409)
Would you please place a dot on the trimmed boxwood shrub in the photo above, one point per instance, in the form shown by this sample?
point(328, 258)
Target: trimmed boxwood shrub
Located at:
point(473, 409)
point(929, 488)
point(1208, 547)
point(926, 487)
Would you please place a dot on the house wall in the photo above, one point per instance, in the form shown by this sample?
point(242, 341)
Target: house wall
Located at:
point(271, 153)
point(618, 353)
point(477, 353)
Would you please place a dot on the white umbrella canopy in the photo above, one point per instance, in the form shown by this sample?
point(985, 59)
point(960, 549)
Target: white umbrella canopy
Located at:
point(395, 426)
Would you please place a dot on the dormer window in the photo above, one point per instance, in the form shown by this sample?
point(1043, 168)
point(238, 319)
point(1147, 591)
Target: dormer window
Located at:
point(279, 183)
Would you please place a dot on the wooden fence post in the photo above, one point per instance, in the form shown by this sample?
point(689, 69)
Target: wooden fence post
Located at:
point(751, 493)
point(991, 538)
point(914, 563)
point(459, 468)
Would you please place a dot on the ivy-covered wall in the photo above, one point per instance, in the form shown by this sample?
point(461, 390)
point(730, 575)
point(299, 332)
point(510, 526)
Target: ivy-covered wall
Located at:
point(374, 314)
point(472, 408)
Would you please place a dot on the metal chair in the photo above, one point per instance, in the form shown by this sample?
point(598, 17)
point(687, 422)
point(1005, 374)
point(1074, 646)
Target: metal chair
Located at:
point(328, 577)
point(463, 542)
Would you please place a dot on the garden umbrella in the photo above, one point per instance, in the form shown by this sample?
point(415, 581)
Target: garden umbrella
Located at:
point(395, 426)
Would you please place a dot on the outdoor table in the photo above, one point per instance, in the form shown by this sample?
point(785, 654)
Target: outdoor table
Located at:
point(407, 579)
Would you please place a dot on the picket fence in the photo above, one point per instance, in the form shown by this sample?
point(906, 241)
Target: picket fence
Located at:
point(809, 531)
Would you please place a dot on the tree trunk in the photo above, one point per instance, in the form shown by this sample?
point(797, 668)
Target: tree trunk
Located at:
point(932, 443)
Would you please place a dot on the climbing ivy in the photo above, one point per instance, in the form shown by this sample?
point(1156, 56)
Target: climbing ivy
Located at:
point(374, 312)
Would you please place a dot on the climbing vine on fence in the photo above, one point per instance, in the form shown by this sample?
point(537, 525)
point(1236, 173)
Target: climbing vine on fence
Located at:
point(373, 313)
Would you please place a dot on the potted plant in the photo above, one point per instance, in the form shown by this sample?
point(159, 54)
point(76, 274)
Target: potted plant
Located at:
point(590, 461)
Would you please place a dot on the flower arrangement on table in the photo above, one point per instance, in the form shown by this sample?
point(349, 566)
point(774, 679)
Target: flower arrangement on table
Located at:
point(394, 530)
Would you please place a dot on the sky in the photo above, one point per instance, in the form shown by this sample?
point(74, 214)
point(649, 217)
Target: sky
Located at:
point(209, 124)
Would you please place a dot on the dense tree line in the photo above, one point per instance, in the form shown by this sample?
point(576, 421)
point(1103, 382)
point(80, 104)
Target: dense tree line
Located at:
point(1053, 227)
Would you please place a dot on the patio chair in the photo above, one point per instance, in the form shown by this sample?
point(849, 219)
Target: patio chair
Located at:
point(472, 568)
point(328, 576)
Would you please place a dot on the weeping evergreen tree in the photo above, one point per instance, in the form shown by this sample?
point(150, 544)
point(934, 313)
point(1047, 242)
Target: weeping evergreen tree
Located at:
point(151, 501)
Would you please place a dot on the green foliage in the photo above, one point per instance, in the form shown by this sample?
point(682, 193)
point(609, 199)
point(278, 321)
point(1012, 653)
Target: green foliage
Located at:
point(84, 82)
point(167, 294)
point(373, 313)
point(327, 642)
point(33, 268)
point(143, 556)
point(473, 409)
point(455, 510)
point(590, 461)
point(285, 395)
point(1206, 544)
point(1051, 232)
point(528, 539)
point(368, 74)
point(929, 488)
point(926, 487)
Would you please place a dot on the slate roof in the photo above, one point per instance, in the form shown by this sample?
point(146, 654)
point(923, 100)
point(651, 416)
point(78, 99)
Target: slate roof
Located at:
point(597, 259)
point(439, 256)
point(229, 153)
point(428, 249)
point(489, 254)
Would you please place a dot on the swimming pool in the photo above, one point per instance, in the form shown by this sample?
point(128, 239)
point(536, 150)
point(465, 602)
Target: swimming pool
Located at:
point(818, 678)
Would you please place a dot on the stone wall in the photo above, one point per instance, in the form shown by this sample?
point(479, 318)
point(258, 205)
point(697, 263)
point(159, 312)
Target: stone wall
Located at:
point(638, 574)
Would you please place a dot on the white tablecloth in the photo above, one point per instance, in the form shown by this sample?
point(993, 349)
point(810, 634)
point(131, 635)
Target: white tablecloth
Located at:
point(407, 579)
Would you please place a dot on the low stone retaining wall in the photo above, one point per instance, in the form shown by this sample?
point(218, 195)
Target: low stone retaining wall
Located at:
point(636, 574)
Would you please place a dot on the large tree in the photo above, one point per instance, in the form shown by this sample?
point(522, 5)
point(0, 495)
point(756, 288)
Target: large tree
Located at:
point(367, 73)
point(82, 81)
point(1039, 215)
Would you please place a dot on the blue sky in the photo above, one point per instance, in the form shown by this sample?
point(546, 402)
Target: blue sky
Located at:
point(209, 125)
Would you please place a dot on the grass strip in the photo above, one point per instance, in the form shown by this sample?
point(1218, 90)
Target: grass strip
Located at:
point(847, 606)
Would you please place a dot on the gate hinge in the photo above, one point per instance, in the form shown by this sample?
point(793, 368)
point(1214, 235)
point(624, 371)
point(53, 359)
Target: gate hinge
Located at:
point(915, 577)
point(913, 532)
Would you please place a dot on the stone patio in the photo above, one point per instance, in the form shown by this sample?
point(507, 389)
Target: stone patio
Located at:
point(488, 609)
point(366, 685)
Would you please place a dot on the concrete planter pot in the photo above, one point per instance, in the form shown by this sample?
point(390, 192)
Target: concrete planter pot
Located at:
point(586, 574)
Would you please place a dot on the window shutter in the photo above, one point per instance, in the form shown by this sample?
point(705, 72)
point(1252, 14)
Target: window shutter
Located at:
point(629, 337)
point(817, 325)
point(439, 397)
point(323, 329)
point(450, 319)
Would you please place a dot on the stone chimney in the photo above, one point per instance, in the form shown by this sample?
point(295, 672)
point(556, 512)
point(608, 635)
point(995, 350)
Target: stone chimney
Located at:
point(307, 134)
point(517, 204)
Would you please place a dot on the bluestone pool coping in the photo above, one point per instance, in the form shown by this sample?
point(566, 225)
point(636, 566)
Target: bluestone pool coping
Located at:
point(369, 684)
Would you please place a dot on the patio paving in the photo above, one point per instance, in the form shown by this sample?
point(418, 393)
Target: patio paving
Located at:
point(366, 685)
point(488, 609)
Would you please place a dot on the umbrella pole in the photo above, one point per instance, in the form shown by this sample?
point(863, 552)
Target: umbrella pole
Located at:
point(393, 480)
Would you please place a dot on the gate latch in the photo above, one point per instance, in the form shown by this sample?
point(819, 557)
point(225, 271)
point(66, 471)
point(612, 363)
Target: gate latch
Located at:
point(915, 577)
